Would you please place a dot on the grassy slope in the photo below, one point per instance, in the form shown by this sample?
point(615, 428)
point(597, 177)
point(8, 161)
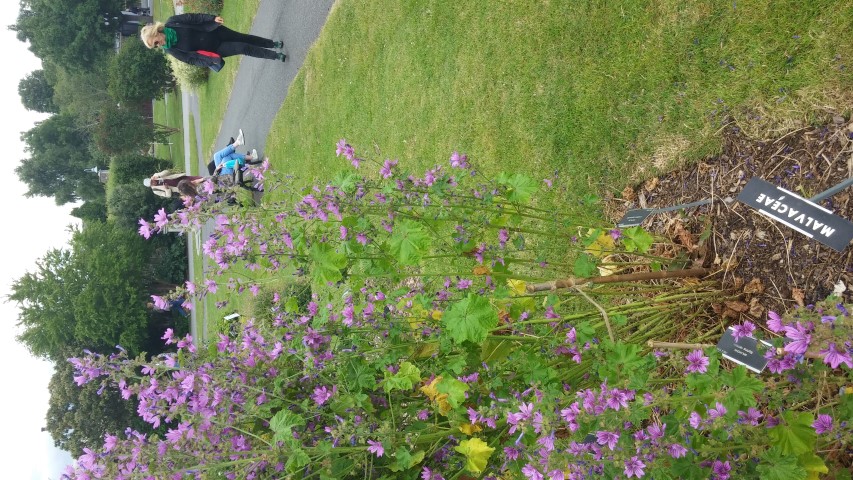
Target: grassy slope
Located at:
point(589, 88)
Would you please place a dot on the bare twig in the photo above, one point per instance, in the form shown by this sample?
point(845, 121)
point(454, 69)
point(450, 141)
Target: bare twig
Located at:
point(678, 345)
point(603, 313)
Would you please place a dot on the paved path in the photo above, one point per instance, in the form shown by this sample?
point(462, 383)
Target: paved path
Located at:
point(259, 90)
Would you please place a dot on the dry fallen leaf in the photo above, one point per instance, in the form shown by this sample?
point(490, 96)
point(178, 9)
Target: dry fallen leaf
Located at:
point(799, 296)
point(737, 306)
point(754, 286)
point(651, 184)
point(628, 194)
point(755, 308)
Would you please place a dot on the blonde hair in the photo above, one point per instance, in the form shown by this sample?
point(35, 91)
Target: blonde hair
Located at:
point(150, 31)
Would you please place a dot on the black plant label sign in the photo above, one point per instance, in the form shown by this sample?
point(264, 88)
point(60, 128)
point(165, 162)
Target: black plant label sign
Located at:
point(746, 351)
point(798, 213)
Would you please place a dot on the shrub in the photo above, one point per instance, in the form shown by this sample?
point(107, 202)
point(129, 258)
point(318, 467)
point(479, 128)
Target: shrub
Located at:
point(188, 76)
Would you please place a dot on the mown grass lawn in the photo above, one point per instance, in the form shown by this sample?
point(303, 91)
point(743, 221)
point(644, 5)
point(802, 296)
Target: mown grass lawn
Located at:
point(169, 112)
point(605, 93)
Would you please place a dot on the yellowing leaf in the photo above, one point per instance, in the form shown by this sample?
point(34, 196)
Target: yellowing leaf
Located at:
point(469, 429)
point(425, 350)
point(517, 287)
point(813, 464)
point(440, 399)
point(603, 245)
point(429, 389)
point(476, 453)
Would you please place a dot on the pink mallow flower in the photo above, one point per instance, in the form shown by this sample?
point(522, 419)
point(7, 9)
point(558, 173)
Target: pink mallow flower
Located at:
point(834, 357)
point(823, 424)
point(375, 448)
point(634, 467)
point(697, 362)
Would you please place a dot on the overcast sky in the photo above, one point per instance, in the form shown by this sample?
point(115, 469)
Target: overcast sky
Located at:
point(33, 226)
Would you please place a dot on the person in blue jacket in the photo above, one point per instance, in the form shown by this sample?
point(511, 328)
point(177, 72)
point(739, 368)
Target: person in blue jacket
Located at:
point(228, 162)
point(202, 40)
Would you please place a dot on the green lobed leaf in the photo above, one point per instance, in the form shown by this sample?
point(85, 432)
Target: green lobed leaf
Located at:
point(776, 466)
point(405, 459)
point(470, 319)
point(454, 389)
point(521, 188)
point(298, 459)
point(326, 263)
point(585, 266)
point(409, 243)
point(742, 387)
point(282, 424)
point(795, 435)
point(405, 379)
point(637, 239)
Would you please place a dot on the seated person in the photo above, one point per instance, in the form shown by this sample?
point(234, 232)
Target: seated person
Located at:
point(228, 162)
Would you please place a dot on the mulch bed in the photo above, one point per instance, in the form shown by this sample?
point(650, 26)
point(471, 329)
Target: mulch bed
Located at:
point(774, 266)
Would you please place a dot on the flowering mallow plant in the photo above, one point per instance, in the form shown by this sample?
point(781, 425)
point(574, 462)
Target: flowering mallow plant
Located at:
point(421, 355)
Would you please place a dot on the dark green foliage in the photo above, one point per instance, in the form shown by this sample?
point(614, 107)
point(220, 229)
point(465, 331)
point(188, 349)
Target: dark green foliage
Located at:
point(93, 210)
point(78, 417)
point(70, 33)
point(91, 296)
point(169, 259)
point(37, 93)
point(203, 6)
point(188, 76)
point(59, 154)
point(124, 130)
point(45, 300)
point(133, 168)
point(82, 94)
point(138, 73)
point(129, 202)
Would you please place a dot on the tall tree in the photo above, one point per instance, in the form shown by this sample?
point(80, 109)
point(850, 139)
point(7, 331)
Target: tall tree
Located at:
point(138, 73)
point(80, 93)
point(78, 417)
point(37, 93)
point(71, 33)
point(45, 300)
point(59, 155)
point(132, 201)
point(91, 210)
point(125, 130)
point(91, 296)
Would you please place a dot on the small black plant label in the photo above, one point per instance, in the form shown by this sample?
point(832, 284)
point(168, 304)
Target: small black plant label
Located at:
point(798, 213)
point(634, 217)
point(746, 351)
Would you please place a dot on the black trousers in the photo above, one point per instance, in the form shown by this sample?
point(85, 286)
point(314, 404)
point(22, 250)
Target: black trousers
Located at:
point(236, 43)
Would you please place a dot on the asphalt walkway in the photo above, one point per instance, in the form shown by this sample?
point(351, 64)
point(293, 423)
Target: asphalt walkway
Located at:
point(259, 90)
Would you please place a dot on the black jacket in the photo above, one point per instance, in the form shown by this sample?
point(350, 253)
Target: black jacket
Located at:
point(195, 21)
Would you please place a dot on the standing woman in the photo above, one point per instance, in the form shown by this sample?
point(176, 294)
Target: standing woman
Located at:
point(202, 40)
